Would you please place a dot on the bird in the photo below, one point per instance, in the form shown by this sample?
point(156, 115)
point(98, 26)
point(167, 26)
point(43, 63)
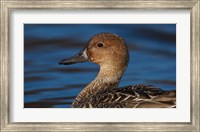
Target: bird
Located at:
point(110, 52)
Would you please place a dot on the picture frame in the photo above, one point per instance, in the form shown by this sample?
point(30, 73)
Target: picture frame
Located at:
point(8, 6)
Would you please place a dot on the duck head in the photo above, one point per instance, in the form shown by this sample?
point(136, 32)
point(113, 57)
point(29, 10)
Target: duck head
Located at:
point(107, 50)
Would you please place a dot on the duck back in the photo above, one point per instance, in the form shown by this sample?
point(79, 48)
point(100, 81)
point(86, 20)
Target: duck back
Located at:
point(135, 96)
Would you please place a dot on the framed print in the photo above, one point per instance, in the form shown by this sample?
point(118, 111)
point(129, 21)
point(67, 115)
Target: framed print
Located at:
point(149, 49)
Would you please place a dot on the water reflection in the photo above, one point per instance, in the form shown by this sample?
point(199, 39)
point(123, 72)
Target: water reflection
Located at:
point(152, 49)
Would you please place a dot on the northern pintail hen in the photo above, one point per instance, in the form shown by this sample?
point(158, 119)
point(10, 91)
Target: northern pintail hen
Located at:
point(110, 52)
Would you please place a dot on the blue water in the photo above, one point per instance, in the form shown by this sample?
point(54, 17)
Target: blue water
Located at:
point(152, 49)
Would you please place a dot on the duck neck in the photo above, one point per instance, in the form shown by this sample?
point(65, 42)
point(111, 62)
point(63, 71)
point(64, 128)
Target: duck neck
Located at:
point(107, 78)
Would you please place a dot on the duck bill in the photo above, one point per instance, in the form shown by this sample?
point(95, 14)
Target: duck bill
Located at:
point(78, 58)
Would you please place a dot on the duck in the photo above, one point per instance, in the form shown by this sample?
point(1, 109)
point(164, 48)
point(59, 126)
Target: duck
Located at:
point(110, 52)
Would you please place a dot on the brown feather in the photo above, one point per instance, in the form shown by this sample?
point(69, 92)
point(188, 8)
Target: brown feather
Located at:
point(137, 96)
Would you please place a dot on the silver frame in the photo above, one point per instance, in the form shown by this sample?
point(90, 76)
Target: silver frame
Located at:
point(8, 6)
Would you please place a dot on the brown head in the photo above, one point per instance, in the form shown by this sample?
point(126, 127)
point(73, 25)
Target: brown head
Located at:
point(108, 50)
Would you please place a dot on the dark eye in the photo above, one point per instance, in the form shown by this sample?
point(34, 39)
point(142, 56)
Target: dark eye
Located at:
point(100, 45)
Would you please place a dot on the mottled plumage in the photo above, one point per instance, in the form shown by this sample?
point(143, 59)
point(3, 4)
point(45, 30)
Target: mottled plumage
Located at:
point(137, 96)
point(110, 52)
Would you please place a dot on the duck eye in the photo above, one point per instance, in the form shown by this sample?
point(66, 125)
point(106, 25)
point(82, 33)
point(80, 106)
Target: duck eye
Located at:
point(100, 45)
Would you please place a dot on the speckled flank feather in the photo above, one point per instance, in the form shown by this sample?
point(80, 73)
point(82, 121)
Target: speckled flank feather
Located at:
point(110, 52)
point(137, 96)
